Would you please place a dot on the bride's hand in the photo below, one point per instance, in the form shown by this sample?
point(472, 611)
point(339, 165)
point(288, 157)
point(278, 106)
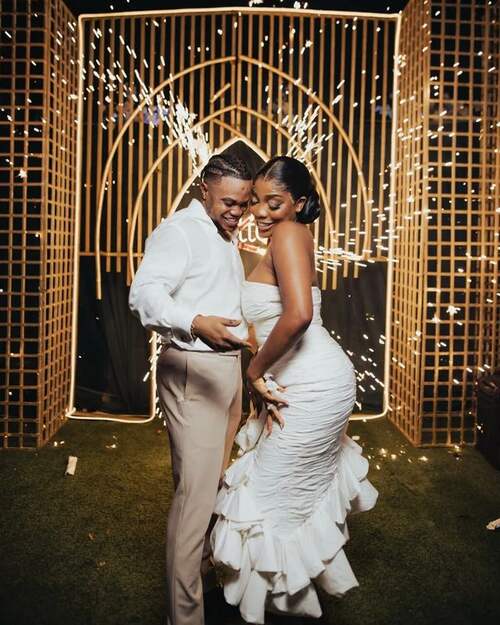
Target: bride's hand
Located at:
point(272, 414)
point(259, 391)
point(260, 395)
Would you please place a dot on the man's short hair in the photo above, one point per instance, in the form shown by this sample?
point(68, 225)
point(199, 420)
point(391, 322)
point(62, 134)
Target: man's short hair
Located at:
point(225, 165)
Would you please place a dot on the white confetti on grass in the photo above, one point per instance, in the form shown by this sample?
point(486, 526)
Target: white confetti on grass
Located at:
point(493, 525)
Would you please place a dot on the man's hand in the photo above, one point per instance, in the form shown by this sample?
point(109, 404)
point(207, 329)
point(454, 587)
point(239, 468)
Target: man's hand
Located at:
point(214, 333)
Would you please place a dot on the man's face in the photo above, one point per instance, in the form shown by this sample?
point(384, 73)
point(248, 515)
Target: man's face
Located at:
point(225, 200)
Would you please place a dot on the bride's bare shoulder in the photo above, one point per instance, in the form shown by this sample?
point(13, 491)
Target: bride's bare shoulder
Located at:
point(291, 232)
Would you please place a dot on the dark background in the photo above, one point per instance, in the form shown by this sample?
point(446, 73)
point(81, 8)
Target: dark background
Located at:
point(94, 6)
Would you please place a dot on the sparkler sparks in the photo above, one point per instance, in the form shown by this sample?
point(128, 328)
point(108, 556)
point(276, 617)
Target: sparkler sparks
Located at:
point(192, 139)
point(305, 143)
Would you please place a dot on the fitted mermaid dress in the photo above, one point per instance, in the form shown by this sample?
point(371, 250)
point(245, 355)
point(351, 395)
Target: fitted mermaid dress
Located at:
point(283, 505)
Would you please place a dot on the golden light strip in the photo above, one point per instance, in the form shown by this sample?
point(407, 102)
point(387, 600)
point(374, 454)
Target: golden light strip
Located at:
point(78, 212)
point(244, 11)
point(263, 71)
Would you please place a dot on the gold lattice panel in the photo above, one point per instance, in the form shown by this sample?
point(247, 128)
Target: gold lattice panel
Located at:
point(445, 292)
point(38, 158)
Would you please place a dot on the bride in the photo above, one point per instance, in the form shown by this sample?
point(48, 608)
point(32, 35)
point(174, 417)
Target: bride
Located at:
point(283, 504)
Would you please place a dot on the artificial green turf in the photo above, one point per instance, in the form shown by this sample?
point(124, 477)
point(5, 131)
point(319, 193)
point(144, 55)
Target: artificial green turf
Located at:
point(88, 549)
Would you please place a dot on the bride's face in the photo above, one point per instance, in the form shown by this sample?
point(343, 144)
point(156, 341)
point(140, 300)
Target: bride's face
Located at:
point(272, 203)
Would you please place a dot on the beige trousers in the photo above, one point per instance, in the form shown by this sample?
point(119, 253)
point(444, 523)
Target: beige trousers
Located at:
point(200, 394)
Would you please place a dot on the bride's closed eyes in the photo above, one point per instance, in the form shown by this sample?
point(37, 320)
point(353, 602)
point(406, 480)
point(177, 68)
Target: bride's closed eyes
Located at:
point(273, 205)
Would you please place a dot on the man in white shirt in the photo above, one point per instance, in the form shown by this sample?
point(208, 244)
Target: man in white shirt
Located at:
point(187, 289)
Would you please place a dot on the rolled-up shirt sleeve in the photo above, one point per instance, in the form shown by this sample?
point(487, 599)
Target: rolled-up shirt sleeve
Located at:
point(166, 261)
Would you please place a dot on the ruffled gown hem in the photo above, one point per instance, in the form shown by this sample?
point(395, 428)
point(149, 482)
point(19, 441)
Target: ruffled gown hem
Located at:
point(264, 572)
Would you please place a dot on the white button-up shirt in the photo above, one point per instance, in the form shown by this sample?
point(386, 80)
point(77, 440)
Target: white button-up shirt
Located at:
point(188, 269)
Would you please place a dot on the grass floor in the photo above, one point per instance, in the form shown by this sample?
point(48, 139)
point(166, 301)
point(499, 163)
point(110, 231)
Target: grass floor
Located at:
point(88, 549)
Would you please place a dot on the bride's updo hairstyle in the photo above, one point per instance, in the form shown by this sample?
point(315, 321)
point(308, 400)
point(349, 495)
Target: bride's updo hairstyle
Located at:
point(295, 178)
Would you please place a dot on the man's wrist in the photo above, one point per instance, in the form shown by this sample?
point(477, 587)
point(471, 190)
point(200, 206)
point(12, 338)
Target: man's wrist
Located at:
point(192, 330)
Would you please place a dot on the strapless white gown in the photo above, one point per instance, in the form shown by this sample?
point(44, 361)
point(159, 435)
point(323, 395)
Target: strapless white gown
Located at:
point(282, 509)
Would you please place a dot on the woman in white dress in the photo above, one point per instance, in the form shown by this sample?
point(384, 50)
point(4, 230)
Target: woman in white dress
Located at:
point(283, 504)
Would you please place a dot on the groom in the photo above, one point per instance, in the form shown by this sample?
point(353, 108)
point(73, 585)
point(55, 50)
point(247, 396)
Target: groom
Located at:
point(187, 289)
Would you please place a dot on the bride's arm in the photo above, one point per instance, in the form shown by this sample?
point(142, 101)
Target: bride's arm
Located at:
point(291, 249)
